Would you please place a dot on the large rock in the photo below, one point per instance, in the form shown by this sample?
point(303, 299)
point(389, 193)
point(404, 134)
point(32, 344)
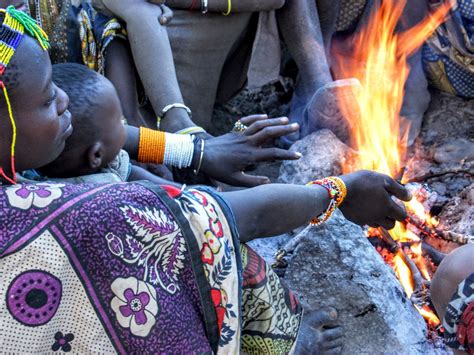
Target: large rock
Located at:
point(323, 155)
point(335, 265)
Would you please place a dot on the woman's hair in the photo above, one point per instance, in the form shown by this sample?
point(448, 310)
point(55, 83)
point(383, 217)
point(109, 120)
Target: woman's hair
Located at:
point(82, 85)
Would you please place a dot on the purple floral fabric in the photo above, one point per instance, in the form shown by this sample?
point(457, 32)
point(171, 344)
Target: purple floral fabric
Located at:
point(128, 250)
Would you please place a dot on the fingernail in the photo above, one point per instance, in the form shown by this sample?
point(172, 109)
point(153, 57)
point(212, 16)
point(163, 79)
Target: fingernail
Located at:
point(295, 125)
point(298, 154)
point(284, 119)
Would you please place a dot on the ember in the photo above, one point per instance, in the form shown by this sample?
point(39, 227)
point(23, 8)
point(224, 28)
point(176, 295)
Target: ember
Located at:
point(379, 134)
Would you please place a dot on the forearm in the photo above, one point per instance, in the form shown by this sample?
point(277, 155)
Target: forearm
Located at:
point(154, 61)
point(299, 24)
point(138, 174)
point(222, 6)
point(271, 210)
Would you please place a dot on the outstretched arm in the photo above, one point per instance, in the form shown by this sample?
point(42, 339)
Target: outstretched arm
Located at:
point(277, 209)
point(222, 6)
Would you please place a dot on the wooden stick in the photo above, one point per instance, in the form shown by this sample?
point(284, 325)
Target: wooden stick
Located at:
point(434, 232)
point(435, 255)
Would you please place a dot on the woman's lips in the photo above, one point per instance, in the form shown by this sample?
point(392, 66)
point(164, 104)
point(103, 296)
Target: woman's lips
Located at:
point(66, 116)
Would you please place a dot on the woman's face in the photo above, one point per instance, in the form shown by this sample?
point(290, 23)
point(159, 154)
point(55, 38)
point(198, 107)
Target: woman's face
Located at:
point(40, 109)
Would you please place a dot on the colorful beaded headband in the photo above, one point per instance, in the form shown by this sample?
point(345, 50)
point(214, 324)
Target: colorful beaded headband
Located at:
point(12, 31)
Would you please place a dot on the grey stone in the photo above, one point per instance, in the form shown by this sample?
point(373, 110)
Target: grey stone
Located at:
point(323, 154)
point(335, 265)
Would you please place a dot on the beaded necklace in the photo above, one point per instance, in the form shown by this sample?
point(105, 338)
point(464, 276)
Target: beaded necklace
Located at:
point(12, 31)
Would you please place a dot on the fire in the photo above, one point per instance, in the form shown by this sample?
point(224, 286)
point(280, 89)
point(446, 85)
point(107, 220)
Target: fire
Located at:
point(379, 133)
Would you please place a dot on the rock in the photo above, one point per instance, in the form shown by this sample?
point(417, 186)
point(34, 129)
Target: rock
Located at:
point(458, 151)
point(323, 155)
point(335, 265)
point(458, 214)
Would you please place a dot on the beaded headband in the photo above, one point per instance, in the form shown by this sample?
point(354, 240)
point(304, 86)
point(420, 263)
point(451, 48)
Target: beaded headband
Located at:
point(12, 31)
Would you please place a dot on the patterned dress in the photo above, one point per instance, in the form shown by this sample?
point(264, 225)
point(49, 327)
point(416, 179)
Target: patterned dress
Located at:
point(133, 268)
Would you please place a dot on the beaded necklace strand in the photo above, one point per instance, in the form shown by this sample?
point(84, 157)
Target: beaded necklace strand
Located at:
point(12, 31)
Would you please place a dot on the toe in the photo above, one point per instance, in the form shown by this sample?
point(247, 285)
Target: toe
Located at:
point(322, 317)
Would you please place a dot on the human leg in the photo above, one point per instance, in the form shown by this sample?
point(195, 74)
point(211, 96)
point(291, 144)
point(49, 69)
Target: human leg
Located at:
point(315, 103)
point(120, 70)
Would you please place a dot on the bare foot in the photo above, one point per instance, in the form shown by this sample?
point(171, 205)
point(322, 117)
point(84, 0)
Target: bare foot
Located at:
point(323, 110)
point(320, 333)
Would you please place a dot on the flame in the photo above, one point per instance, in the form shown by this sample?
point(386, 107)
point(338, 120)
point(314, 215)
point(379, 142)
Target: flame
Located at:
point(379, 133)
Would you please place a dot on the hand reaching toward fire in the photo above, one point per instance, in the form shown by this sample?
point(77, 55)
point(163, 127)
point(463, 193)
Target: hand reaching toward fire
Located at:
point(370, 200)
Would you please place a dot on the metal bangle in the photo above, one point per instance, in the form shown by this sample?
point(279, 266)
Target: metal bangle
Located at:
point(201, 156)
point(204, 6)
point(163, 113)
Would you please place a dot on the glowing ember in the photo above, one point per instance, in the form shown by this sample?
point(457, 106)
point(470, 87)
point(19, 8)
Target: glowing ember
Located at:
point(379, 134)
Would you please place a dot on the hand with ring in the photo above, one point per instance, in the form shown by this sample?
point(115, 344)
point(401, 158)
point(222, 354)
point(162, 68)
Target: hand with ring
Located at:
point(227, 157)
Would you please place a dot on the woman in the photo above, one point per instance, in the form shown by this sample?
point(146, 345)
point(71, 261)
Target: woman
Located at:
point(137, 267)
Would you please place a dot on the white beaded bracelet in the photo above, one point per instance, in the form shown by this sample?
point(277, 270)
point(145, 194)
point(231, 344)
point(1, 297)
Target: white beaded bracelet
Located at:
point(179, 150)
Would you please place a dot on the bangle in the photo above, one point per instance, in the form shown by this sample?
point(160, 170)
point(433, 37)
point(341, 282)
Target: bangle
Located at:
point(337, 192)
point(151, 147)
point(201, 155)
point(204, 6)
point(169, 108)
point(191, 130)
point(229, 8)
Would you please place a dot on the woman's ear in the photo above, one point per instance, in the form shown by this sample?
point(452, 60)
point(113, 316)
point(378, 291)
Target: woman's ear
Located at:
point(95, 155)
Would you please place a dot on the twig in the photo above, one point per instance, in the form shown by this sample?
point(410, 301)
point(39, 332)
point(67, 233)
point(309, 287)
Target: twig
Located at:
point(437, 233)
point(435, 255)
point(415, 273)
point(436, 173)
point(393, 246)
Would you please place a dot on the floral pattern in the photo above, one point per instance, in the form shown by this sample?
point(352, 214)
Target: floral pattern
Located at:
point(38, 195)
point(62, 342)
point(157, 245)
point(134, 305)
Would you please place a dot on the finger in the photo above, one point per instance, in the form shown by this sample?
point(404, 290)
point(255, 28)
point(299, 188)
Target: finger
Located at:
point(387, 223)
point(333, 344)
point(333, 333)
point(245, 180)
point(251, 119)
point(374, 225)
point(275, 154)
point(270, 133)
point(166, 16)
point(398, 190)
point(321, 318)
point(398, 211)
point(259, 125)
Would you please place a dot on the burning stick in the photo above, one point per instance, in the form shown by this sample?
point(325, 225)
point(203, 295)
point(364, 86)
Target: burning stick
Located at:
point(393, 246)
point(434, 232)
point(435, 255)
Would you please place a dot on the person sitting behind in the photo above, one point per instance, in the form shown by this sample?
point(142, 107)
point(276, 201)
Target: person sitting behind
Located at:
point(93, 153)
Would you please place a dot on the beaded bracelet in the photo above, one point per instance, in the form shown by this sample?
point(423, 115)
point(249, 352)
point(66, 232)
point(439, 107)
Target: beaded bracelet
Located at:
point(151, 147)
point(229, 8)
point(192, 130)
point(337, 192)
point(165, 148)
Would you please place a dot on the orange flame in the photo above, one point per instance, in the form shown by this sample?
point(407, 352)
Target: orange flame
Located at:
point(379, 134)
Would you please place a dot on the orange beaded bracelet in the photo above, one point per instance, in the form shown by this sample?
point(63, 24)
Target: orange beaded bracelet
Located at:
point(151, 147)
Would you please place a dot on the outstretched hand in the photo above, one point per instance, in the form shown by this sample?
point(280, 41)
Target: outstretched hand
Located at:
point(370, 200)
point(124, 9)
point(226, 157)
